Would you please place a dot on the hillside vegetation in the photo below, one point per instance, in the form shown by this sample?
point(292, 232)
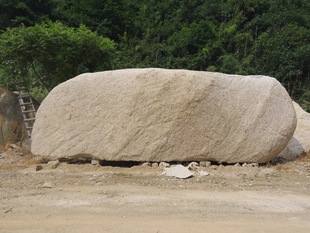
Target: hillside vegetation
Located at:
point(48, 42)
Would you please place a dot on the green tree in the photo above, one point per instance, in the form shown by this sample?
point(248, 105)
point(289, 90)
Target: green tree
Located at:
point(51, 53)
point(268, 37)
point(110, 18)
point(286, 56)
point(14, 13)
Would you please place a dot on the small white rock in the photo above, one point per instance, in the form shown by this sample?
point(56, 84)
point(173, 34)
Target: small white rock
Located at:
point(14, 146)
point(154, 164)
point(146, 164)
point(205, 164)
point(53, 164)
point(203, 173)
point(178, 171)
point(164, 164)
point(193, 166)
point(250, 165)
point(95, 162)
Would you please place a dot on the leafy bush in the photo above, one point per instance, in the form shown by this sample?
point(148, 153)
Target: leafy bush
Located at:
point(50, 53)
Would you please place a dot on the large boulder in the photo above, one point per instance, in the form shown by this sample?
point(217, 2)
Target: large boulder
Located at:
point(12, 128)
point(165, 115)
point(300, 142)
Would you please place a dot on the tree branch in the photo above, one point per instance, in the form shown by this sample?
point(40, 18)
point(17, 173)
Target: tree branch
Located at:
point(40, 78)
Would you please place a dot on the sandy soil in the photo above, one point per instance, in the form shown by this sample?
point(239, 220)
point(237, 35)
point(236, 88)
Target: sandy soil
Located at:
point(94, 198)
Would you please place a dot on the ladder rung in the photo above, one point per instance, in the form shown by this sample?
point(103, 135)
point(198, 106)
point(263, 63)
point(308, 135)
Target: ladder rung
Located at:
point(25, 99)
point(26, 103)
point(28, 111)
point(30, 119)
point(24, 96)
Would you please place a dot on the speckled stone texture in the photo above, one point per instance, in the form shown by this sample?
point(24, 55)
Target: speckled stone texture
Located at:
point(165, 115)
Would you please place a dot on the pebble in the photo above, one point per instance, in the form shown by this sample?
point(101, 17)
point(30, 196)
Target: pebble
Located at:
point(193, 166)
point(14, 146)
point(203, 173)
point(38, 167)
point(250, 165)
point(95, 162)
point(205, 164)
point(154, 164)
point(164, 164)
point(53, 164)
point(146, 164)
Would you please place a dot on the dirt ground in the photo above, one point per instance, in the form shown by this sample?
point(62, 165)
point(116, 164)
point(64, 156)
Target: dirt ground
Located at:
point(35, 197)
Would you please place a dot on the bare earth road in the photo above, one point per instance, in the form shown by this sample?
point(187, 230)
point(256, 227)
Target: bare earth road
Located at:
point(90, 198)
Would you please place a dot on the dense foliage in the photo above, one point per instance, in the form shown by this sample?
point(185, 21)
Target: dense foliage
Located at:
point(48, 54)
point(270, 37)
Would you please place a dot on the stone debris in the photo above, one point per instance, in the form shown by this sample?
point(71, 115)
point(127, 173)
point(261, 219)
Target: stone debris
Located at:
point(38, 167)
point(164, 164)
point(193, 166)
point(249, 165)
point(181, 172)
point(178, 171)
point(53, 164)
point(155, 165)
point(146, 164)
point(95, 162)
point(202, 173)
point(14, 146)
point(204, 163)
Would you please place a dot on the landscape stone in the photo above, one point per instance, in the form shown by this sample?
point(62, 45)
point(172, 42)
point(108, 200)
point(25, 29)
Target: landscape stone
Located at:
point(165, 115)
point(300, 142)
point(12, 128)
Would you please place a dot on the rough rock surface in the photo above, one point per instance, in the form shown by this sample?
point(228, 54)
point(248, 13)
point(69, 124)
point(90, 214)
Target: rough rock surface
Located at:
point(300, 142)
point(11, 121)
point(165, 115)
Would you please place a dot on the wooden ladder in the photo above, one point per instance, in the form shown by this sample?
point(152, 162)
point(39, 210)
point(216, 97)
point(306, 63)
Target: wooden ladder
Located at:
point(26, 106)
